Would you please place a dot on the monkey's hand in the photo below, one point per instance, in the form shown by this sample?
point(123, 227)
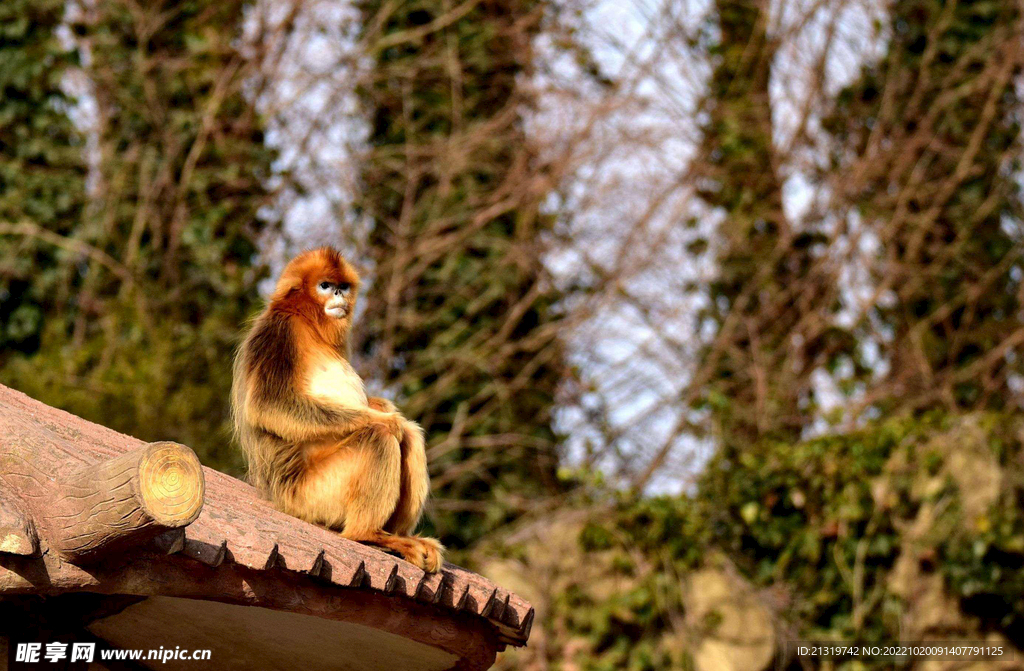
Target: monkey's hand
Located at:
point(387, 423)
point(381, 405)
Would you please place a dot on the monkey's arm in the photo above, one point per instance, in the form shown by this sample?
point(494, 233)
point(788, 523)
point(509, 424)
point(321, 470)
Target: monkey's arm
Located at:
point(303, 419)
point(381, 404)
point(271, 400)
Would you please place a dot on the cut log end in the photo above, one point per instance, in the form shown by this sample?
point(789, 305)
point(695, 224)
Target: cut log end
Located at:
point(124, 501)
point(171, 484)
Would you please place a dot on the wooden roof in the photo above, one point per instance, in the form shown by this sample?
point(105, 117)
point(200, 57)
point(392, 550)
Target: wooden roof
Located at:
point(239, 550)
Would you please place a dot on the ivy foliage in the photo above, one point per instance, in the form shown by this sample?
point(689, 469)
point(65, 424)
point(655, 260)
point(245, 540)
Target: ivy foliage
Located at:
point(766, 282)
point(947, 211)
point(42, 170)
point(157, 274)
point(460, 313)
point(842, 533)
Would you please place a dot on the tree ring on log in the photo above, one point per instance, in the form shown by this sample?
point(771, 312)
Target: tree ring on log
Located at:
point(125, 500)
point(171, 484)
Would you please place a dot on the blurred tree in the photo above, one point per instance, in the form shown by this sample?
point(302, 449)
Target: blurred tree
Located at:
point(934, 129)
point(769, 301)
point(165, 271)
point(460, 313)
point(907, 528)
point(42, 172)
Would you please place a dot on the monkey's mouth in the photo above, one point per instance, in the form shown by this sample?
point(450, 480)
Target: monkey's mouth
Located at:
point(336, 311)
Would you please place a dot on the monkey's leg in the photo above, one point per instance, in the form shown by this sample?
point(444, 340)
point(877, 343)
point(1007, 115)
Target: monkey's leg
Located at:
point(415, 482)
point(371, 492)
point(415, 487)
point(352, 483)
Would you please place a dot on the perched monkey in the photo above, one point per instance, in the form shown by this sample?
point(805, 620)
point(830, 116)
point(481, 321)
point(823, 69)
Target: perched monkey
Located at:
point(316, 445)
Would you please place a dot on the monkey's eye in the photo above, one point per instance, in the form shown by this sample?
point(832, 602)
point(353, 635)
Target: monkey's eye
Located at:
point(344, 286)
point(324, 286)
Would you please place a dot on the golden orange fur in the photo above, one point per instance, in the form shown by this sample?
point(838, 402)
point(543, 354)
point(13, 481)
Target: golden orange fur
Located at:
point(316, 445)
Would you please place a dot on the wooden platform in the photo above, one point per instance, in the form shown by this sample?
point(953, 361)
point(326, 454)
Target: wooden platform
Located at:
point(261, 587)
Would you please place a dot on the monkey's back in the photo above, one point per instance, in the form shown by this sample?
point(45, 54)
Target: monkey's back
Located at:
point(264, 372)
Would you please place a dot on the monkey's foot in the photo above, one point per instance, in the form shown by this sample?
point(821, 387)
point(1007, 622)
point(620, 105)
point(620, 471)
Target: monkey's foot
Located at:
point(426, 553)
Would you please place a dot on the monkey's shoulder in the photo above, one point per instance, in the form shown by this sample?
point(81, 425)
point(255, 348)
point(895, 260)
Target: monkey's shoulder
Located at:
point(333, 380)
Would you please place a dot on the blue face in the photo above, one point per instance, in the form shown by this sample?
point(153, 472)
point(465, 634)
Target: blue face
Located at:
point(335, 296)
point(326, 288)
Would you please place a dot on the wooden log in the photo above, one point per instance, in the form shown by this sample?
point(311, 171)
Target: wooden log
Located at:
point(124, 501)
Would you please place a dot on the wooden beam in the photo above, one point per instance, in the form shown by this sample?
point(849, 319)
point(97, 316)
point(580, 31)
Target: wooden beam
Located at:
point(467, 636)
point(124, 501)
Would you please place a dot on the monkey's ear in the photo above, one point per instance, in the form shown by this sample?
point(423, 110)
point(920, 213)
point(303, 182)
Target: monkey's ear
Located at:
point(287, 284)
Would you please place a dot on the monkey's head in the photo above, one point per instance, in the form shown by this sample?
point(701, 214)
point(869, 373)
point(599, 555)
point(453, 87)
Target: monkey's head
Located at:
point(318, 284)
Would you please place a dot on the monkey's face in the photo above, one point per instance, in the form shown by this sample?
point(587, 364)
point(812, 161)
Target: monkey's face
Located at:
point(332, 283)
point(335, 296)
point(319, 281)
